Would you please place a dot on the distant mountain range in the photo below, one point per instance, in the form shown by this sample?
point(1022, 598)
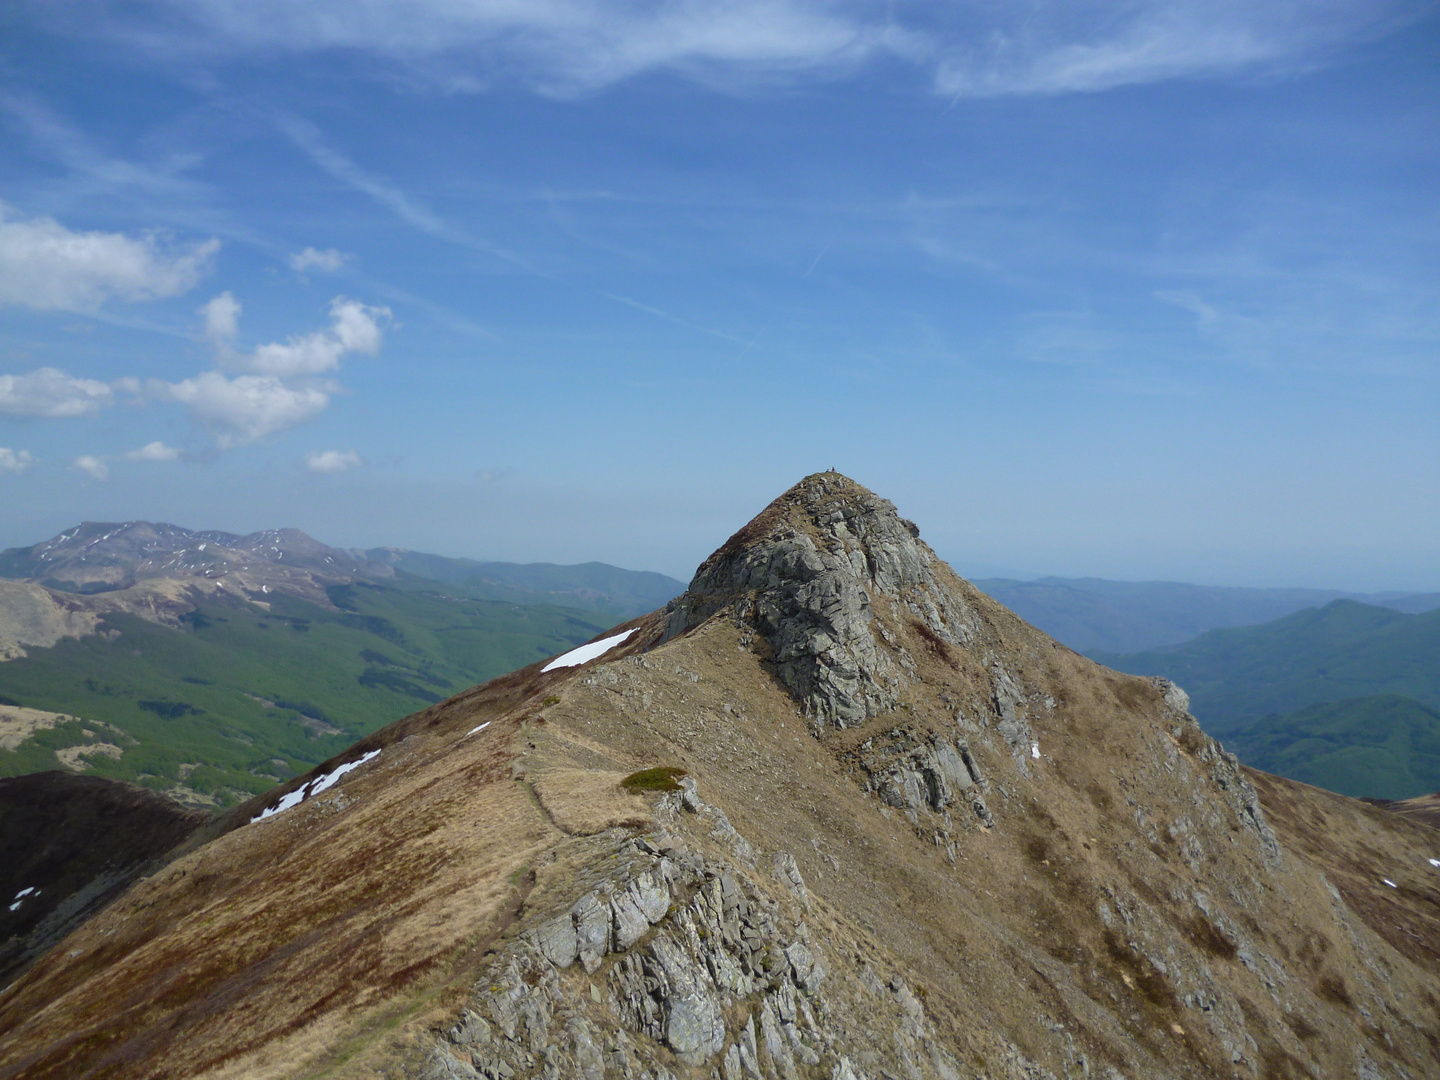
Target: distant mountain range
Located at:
point(97, 557)
point(1343, 650)
point(1379, 747)
point(1093, 615)
point(149, 652)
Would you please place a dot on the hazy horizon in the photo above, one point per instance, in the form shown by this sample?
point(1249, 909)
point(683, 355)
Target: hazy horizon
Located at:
point(971, 570)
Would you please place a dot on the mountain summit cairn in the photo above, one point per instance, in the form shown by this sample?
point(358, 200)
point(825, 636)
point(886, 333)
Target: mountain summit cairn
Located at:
point(832, 814)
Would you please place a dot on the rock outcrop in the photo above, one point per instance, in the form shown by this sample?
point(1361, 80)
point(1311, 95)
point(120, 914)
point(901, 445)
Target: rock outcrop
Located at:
point(707, 965)
point(807, 575)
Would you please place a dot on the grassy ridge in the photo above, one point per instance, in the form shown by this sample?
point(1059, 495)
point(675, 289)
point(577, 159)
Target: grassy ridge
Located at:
point(243, 696)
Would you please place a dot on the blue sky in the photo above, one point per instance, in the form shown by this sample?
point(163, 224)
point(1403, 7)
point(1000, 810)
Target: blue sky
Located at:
point(1137, 290)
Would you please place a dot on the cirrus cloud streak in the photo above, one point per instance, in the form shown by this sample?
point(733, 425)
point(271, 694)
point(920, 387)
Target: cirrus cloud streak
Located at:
point(974, 48)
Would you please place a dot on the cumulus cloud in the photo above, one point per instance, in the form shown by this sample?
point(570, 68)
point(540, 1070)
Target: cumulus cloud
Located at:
point(49, 392)
point(978, 47)
point(15, 460)
point(354, 327)
point(331, 461)
point(280, 384)
point(222, 317)
point(245, 408)
point(153, 451)
point(93, 467)
point(328, 260)
point(48, 267)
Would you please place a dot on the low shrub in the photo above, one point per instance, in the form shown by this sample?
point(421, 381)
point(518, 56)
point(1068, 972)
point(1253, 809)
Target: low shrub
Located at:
point(661, 778)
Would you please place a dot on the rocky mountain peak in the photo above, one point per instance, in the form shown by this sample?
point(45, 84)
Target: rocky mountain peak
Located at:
point(831, 815)
point(818, 574)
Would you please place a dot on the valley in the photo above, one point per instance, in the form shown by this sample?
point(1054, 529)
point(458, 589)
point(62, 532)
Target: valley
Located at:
point(209, 666)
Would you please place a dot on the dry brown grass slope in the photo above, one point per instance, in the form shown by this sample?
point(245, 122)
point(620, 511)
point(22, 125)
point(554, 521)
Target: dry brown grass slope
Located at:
point(1017, 863)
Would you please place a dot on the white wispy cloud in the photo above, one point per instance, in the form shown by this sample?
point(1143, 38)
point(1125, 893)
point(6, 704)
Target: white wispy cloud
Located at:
point(311, 258)
point(91, 466)
point(153, 451)
point(48, 267)
point(308, 138)
point(980, 47)
point(245, 408)
point(332, 461)
point(310, 141)
point(15, 460)
point(559, 45)
point(52, 394)
point(1091, 45)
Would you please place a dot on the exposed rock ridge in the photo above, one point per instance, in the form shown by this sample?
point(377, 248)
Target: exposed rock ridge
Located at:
point(689, 963)
point(807, 573)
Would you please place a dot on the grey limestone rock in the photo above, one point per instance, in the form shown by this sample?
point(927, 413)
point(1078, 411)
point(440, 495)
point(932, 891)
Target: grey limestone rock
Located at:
point(788, 871)
point(808, 591)
point(730, 1066)
point(1176, 698)
point(643, 902)
point(471, 1031)
point(1229, 778)
point(592, 930)
point(443, 1065)
point(589, 1061)
point(694, 1027)
point(808, 971)
point(720, 949)
point(750, 1049)
point(557, 940)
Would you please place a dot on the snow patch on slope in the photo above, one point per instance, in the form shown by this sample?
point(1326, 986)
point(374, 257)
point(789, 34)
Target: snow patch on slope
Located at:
point(586, 653)
point(314, 787)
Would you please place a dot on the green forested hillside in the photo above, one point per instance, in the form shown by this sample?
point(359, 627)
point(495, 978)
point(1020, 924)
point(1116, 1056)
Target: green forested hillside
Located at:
point(1343, 650)
point(245, 696)
point(592, 586)
point(1380, 747)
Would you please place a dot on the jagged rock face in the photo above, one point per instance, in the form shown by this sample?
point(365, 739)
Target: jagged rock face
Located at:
point(807, 573)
